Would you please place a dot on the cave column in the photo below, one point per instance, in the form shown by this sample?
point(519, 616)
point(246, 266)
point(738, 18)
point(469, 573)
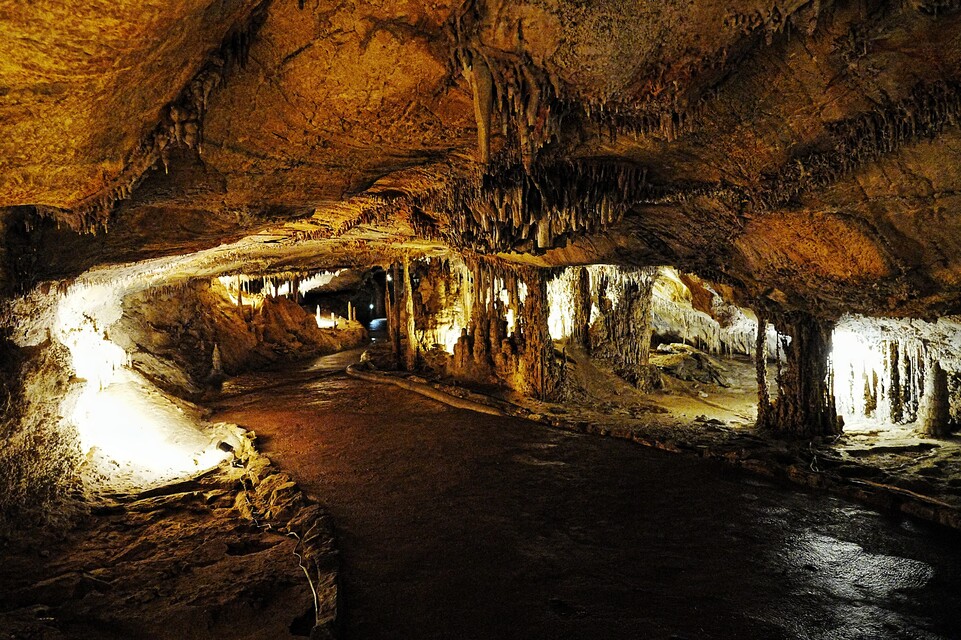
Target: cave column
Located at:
point(538, 354)
point(760, 367)
point(379, 298)
point(395, 314)
point(623, 334)
point(805, 404)
point(894, 386)
point(6, 272)
point(410, 353)
point(480, 320)
point(582, 307)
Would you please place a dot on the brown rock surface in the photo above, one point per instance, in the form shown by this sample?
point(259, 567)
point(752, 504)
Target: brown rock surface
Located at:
point(804, 149)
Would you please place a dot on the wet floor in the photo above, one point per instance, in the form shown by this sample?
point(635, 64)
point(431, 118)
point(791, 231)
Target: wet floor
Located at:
point(460, 525)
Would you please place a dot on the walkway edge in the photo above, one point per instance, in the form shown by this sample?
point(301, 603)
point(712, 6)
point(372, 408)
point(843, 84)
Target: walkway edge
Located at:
point(424, 390)
point(877, 495)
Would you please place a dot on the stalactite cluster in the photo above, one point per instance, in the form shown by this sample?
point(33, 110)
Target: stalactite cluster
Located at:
point(491, 319)
point(898, 372)
point(507, 84)
point(513, 209)
point(607, 311)
point(520, 356)
point(924, 114)
point(936, 7)
point(777, 18)
point(438, 310)
point(620, 332)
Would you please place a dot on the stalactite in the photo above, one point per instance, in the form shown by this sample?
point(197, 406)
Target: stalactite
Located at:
point(482, 86)
point(923, 114)
point(510, 207)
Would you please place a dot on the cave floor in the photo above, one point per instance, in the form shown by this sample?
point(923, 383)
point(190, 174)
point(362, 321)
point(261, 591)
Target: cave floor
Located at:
point(886, 464)
point(176, 562)
point(455, 524)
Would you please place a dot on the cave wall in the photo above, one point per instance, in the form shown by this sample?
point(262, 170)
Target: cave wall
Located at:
point(617, 313)
point(694, 311)
point(171, 333)
point(39, 452)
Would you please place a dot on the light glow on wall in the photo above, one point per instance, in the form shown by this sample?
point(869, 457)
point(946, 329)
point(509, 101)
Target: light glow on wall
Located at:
point(119, 414)
point(857, 363)
point(327, 321)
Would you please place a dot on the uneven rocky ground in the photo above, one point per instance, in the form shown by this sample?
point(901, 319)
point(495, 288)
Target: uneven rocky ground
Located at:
point(209, 557)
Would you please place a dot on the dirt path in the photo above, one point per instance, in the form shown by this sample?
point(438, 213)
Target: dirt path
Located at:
point(459, 525)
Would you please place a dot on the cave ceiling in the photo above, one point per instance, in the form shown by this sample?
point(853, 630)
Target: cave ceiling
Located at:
point(806, 152)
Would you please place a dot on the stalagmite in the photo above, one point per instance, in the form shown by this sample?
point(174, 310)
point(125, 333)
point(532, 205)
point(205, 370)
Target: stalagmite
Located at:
point(216, 364)
point(934, 413)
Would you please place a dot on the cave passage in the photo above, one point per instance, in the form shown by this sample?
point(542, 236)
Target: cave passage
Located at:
point(455, 524)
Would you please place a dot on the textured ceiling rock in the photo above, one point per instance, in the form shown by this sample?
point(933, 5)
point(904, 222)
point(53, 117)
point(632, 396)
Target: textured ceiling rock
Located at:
point(81, 84)
point(334, 97)
point(803, 151)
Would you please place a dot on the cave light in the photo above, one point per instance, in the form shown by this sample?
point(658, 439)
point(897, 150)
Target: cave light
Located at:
point(451, 336)
point(323, 322)
point(858, 371)
point(505, 298)
point(560, 307)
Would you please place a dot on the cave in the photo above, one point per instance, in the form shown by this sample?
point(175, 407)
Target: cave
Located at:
point(485, 319)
